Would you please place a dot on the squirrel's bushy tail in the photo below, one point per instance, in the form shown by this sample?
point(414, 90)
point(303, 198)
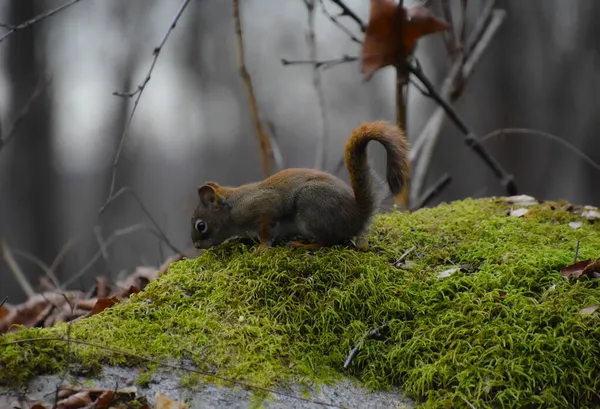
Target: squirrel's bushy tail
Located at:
point(396, 146)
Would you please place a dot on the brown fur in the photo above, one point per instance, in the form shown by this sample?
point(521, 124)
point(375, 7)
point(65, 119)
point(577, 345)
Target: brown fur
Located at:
point(304, 202)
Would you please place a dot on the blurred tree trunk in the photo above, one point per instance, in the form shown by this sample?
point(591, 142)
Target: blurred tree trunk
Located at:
point(32, 222)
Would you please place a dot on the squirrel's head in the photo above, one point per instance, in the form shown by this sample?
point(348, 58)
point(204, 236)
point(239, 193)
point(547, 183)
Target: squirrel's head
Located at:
point(210, 220)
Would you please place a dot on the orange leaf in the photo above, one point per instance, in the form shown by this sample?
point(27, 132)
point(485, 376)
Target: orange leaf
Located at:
point(101, 305)
point(392, 33)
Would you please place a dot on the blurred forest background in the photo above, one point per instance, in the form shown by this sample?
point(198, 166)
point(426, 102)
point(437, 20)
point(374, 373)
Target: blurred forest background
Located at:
point(541, 71)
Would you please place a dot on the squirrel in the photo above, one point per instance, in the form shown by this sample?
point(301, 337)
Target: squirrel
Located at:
point(309, 203)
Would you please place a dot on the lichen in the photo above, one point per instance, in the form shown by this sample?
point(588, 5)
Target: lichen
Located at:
point(503, 331)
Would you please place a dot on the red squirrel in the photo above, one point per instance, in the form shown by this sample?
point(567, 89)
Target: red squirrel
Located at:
point(304, 202)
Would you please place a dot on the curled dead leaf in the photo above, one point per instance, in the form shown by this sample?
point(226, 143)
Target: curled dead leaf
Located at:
point(392, 33)
point(521, 200)
point(587, 268)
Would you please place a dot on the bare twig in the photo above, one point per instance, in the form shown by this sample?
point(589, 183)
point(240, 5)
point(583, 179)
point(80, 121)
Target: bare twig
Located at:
point(138, 93)
point(277, 154)
point(43, 266)
point(321, 154)
point(356, 347)
point(321, 64)
point(36, 19)
point(167, 365)
point(449, 36)
point(116, 234)
point(335, 21)
point(347, 12)
point(525, 131)
point(157, 228)
point(263, 139)
point(471, 139)
point(425, 143)
point(433, 191)
point(16, 270)
point(3, 301)
point(41, 85)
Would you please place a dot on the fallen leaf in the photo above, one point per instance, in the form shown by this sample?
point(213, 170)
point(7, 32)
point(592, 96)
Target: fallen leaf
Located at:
point(575, 225)
point(584, 267)
point(392, 33)
point(518, 212)
point(37, 406)
point(78, 400)
point(164, 402)
point(590, 309)
point(104, 400)
point(447, 273)
point(521, 200)
point(101, 305)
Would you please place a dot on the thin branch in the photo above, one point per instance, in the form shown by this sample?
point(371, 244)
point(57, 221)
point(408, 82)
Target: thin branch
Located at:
point(434, 191)
point(38, 18)
point(15, 269)
point(41, 85)
point(263, 139)
point(451, 89)
point(116, 234)
point(138, 93)
point(277, 154)
point(335, 21)
point(43, 266)
point(321, 153)
point(321, 64)
point(525, 131)
point(167, 365)
point(158, 229)
point(449, 36)
point(471, 139)
point(347, 12)
point(3, 301)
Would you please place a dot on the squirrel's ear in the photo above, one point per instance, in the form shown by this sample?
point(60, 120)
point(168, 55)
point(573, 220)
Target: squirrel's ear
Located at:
point(208, 195)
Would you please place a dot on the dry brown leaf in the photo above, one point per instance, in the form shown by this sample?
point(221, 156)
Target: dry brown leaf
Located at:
point(101, 305)
point(392, 33)
point(164, 402)
point(78, 400)
point(581, 268)
point(104, 400)
point(37, 406)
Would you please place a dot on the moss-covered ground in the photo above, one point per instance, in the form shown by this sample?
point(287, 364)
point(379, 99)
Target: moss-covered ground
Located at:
point(504, 331)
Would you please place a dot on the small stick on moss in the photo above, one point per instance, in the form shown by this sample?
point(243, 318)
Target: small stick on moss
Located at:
point(576, 251)
point(468, 403)
point(354, 350)
point(168, 365)
point(406, 253)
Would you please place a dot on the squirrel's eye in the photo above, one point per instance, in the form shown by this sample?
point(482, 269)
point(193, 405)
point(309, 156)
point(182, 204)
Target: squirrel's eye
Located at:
point(200, 225)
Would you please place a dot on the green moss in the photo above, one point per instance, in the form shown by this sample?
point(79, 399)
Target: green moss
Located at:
point(503, 330)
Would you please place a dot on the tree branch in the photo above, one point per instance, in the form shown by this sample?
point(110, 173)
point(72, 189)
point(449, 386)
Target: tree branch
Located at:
point(263, 139)
point(325, 64)
point(471, 139)
point(335, 21)
point(42, 84)
point(433, 191)
point(138, 93)
point(347, 12)
point(36, 19)
point(321, 153)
